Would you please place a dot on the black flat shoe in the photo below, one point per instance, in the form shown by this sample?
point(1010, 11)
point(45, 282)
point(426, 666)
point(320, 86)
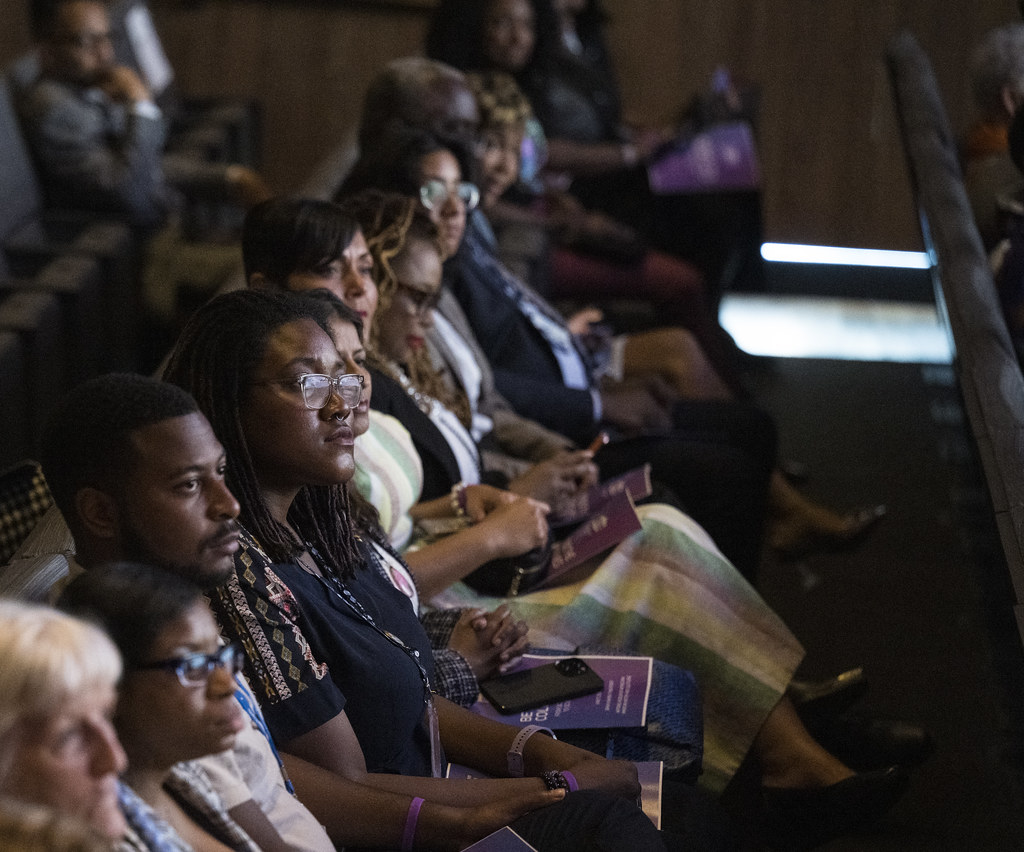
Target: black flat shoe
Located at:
point(864, 743)
point(819, 699)
point(797, 820)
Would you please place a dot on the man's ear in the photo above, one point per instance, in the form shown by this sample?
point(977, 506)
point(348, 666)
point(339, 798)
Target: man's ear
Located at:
point(98, 512)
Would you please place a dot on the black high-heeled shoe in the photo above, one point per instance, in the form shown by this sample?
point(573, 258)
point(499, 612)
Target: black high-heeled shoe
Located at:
point(801, 819)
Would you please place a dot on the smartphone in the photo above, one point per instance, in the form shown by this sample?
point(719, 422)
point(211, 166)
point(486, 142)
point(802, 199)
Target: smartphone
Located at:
point(537, 687)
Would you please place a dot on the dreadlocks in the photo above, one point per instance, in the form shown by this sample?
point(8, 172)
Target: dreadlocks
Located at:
point(215, 359)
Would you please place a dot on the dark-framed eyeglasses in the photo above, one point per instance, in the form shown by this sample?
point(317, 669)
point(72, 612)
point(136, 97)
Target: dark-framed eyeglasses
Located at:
point(435, 192)
point(317, 388)
point(195, 669)
point(420, 302)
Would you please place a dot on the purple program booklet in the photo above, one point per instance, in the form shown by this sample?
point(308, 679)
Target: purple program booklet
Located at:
point(621, 704)
point(649, 773)
point(722, 157)
point(502, 840)
point(605, 528)
point(636, 483)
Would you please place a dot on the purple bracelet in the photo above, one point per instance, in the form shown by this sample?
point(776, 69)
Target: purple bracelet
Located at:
point(411, 818)
point(571, 781)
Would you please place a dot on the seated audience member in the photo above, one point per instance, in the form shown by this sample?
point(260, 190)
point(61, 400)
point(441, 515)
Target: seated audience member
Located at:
point(416, 92)
point(176, 700)
point(674, 290)
point(547, 373)
point(139, 474)
point(58, 687)
point(560, 61)
point(98, 140)
point(96, 132)
point(997, 81)
point(344, 611)
point(1008, 256)
point(308, 576)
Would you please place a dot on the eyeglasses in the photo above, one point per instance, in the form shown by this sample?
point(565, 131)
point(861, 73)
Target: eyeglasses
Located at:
point(195, 669)
point(420, 302)
point(434, 193)
point(317, 388)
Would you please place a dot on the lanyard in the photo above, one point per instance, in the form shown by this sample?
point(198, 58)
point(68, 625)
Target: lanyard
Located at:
point(253, 711)
point(335, 585)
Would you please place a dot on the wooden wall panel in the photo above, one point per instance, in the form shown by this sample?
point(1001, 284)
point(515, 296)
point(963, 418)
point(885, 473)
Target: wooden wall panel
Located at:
point(834, 170)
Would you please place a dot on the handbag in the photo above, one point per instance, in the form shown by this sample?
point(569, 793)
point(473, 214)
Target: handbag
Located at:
point(505, 577)
point(510, 576)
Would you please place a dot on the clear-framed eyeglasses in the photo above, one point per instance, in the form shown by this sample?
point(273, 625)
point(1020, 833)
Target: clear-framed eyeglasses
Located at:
point(434, 193)
point(317, 388)
point(195, 669)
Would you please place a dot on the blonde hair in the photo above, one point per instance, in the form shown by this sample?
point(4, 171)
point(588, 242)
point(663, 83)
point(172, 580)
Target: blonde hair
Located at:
point(48, 659)
point(499, 99)
point(27, 827)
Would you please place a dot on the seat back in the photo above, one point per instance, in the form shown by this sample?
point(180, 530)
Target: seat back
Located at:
point(19, 184)
point(24, 499)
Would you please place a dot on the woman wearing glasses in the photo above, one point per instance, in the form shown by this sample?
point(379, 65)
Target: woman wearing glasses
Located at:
point(176, 704)
point(334, 651)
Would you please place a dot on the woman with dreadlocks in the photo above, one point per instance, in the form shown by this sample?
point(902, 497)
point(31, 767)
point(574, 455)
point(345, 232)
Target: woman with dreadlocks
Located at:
point(334, 652)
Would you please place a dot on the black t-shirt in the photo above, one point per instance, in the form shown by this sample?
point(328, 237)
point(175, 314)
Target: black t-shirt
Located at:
point(310, 655)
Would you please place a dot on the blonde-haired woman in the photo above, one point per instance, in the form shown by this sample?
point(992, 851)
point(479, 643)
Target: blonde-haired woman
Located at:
point(57, 694)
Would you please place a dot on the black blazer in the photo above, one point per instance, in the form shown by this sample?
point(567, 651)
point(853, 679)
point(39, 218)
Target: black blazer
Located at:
point(525, 369)
point(440, 469)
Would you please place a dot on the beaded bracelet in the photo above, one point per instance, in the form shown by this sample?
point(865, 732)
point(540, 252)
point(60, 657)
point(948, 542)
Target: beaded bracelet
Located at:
point(555, 780)
point(458, 497)
point(411, 818)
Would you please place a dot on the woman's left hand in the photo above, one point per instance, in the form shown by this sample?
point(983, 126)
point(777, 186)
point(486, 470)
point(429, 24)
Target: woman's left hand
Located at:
point(490, 642)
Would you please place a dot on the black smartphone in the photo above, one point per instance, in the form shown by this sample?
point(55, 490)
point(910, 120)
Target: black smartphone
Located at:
point(537, 687)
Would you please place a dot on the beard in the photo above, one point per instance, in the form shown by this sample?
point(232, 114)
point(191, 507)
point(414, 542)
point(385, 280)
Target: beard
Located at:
point(207, 575)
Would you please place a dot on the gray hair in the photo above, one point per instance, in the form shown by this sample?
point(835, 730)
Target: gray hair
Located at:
point(998, 62)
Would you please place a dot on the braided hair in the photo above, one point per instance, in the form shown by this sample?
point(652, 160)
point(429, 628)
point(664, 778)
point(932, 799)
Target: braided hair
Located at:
point(390, 222)
point(215, 358)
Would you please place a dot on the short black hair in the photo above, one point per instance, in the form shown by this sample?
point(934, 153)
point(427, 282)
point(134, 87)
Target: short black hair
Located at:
point(393, 165)
point(87, 438)
point(42, 16)
point(133, 602)
point(285, 235)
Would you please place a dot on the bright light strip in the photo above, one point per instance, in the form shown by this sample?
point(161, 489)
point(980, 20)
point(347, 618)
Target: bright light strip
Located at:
point(795, 253)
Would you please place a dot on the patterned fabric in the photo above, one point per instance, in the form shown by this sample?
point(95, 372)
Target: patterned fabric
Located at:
point(453, 678)
point(389, 474)
point(188, 784)
point(24, 499)
point(668, 592)
point(274, 644)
